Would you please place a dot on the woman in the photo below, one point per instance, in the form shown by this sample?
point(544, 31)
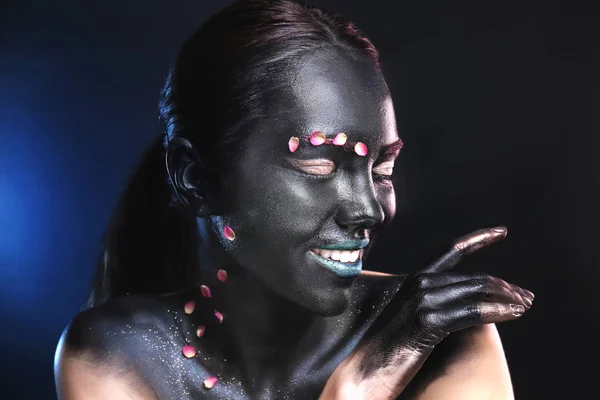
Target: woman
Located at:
point(233, 268)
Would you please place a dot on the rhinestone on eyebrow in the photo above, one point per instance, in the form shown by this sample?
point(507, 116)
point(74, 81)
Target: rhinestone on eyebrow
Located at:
point(360, 149)
point(340, 139)
point(293, 144)
point(318, 138)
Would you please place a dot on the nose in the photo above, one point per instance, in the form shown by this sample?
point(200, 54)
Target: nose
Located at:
point(360, 209)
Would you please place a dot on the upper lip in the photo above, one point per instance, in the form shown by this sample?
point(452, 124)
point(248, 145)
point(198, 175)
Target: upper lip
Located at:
point(347, 245)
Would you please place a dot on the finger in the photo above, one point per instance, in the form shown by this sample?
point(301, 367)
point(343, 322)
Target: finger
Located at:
point(433, 280)
point(466, 314)
point(466, 245)
point(487, 289)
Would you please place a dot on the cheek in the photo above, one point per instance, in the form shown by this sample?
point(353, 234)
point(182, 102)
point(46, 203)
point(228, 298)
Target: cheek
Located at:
point(281, 206)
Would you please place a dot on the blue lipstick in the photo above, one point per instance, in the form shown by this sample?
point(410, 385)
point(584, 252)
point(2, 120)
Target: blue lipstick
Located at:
point(347, 245)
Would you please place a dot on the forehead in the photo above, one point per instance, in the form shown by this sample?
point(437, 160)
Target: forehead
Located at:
point(334, 90)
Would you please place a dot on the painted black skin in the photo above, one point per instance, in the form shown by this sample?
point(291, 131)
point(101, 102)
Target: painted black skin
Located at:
point(288, 321)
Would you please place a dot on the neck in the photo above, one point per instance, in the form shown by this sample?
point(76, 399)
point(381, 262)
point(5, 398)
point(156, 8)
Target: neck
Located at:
point(260, 326)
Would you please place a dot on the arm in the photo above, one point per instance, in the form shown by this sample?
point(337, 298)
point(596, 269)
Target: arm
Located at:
point(468, 365)
point(471, 367)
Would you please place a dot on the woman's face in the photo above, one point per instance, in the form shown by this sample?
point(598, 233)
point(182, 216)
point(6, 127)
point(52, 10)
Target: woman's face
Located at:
point(295, 213)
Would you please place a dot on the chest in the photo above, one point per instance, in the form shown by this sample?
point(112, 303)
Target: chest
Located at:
point(299, 371)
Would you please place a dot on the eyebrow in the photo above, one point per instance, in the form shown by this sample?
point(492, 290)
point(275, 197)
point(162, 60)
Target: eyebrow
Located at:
point(392, 149)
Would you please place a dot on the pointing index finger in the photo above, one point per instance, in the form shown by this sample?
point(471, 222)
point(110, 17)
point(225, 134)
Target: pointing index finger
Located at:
point(464, 246)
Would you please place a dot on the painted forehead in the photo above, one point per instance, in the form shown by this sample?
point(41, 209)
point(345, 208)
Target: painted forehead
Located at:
point(335, 92)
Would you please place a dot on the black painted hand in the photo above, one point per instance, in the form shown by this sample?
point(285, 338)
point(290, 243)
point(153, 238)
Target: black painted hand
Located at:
point(431, 303)
point(436, 300)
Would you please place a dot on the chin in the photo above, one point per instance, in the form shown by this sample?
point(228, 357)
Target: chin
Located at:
point(327, 301)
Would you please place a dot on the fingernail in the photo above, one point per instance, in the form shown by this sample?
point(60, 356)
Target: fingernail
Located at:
point(517, 309)
point(499, 229)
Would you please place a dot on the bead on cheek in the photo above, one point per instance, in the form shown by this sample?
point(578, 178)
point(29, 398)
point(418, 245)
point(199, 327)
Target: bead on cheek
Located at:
point(229, 233)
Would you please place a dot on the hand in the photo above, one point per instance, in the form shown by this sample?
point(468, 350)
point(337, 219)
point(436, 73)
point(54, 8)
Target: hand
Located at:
point(430, 304)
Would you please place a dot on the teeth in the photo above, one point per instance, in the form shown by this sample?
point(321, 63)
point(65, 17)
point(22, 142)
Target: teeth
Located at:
point(345, 256)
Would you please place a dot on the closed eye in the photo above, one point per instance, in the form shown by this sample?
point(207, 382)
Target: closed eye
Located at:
point(386, 168)
point(319, 166)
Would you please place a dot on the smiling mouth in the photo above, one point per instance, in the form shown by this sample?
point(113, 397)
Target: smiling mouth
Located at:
point(343, 256)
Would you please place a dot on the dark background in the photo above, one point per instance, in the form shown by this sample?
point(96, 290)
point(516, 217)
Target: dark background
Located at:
point(498, 105)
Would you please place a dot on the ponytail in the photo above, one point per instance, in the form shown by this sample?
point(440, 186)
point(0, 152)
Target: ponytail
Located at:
point(150, 244)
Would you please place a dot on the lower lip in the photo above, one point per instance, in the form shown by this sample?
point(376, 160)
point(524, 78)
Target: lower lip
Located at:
point(339, 268)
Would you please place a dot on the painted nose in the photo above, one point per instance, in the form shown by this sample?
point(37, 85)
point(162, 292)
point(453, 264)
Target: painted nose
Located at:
point(361, 210)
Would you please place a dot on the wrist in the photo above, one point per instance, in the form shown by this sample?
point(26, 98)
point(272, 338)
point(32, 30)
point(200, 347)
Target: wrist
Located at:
point(369, 374)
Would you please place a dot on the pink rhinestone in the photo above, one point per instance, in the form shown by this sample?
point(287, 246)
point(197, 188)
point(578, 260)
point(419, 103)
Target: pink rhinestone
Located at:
point(340, 139)
point(228, 232)
point(293, 143)
point(210, 382)
point(189, 307)
point(317, 138)
point(189, 351)
point(222, 275)
point(200, 331)
point(360, 149)
point(219, 316)
point(205, 290)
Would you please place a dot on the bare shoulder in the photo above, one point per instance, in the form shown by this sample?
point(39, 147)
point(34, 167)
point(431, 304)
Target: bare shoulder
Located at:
point(469, 364)
point(94, 355)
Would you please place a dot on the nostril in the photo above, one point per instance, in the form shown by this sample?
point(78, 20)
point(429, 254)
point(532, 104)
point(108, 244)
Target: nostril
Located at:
point(357, 216)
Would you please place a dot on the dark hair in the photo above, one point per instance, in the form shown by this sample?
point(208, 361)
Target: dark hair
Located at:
point(223, 70)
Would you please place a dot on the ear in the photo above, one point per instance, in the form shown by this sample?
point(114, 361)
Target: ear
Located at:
point(190, 179)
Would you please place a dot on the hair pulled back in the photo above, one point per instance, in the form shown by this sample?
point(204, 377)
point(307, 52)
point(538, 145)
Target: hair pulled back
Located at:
point(211, 94)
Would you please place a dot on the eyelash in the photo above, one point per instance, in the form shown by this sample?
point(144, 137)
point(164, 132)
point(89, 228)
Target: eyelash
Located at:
point(382, 177)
